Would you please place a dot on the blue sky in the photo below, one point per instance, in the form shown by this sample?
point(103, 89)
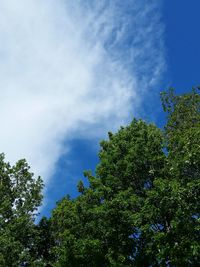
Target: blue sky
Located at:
point(72, 70)
point(182, 51)
point(182, 42)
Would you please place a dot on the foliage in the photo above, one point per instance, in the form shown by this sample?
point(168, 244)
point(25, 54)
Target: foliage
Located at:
point(141, 207)
point(20, 196)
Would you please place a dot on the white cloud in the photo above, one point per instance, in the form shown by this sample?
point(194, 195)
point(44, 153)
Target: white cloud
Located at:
point(66, 66)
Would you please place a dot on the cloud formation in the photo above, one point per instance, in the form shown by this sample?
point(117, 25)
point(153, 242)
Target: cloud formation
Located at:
point(72, 68)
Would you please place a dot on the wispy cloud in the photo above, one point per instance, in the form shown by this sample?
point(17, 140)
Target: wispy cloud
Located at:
point(68, 68)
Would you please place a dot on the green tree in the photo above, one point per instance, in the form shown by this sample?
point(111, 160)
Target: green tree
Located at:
point(20, 196)
point(142, 206)
point(97, 229)
point(169, 217)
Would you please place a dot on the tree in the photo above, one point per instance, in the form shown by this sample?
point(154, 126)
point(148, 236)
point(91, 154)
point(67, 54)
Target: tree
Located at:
point(97, 229)
point(20, 196)
point(170, 215)
point(142, 206)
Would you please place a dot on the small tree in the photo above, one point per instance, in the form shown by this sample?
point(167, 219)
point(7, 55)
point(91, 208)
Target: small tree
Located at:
point(20, 196)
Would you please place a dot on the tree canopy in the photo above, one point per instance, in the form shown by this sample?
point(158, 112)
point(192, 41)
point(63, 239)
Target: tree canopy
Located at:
point(20, 196)
point(141, 207)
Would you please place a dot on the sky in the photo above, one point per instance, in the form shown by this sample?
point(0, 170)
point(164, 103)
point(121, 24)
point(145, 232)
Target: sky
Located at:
point(70, 71)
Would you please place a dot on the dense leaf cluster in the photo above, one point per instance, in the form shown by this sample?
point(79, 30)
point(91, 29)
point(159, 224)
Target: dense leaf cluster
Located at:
point(20, 196)
point(141, 208)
